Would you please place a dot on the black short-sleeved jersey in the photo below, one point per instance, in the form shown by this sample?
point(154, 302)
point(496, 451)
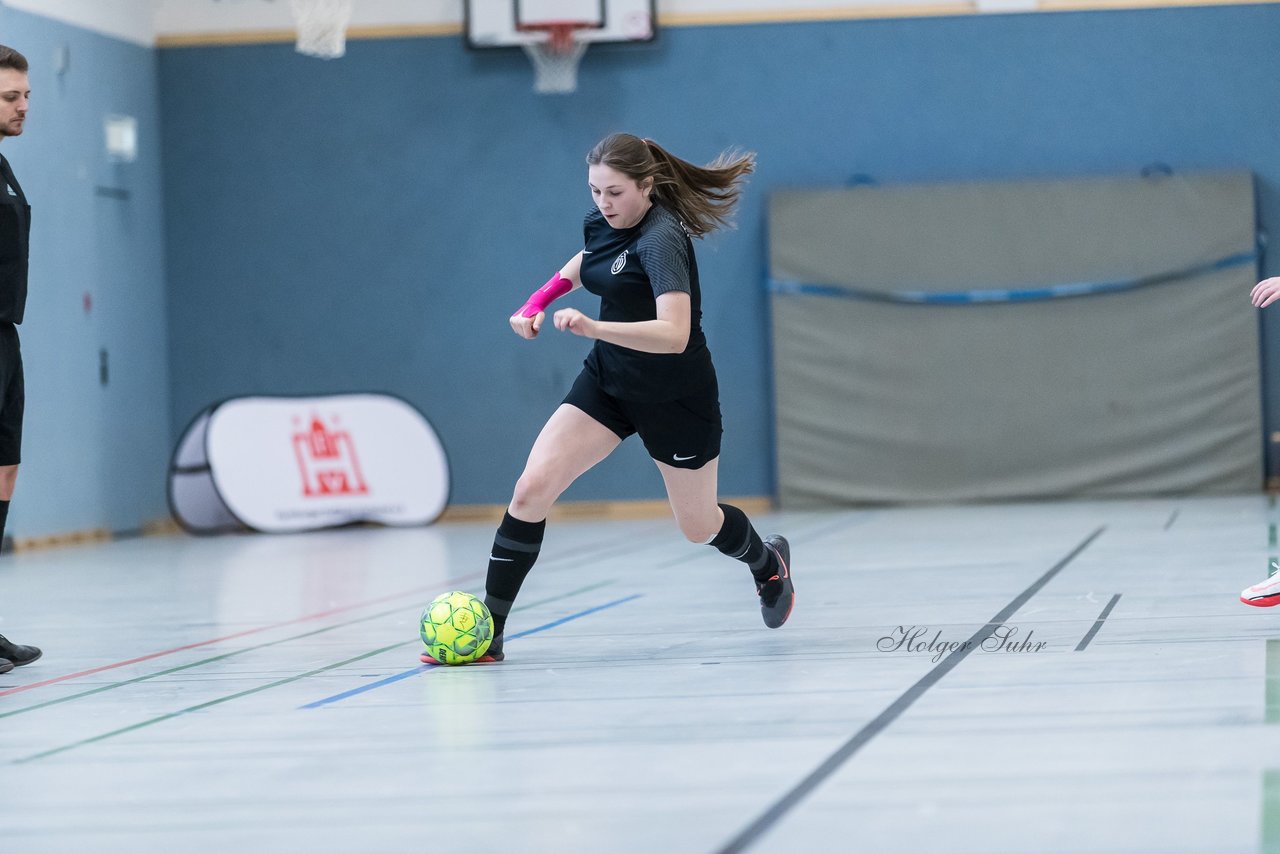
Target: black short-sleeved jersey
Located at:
point(628, 268)
point(15, 229)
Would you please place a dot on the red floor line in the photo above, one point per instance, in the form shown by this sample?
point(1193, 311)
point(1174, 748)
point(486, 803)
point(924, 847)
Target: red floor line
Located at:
point(7, 691)
point(316, 616)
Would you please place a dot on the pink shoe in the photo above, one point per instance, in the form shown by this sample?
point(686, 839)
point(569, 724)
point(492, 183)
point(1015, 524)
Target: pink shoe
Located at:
point(494, 653)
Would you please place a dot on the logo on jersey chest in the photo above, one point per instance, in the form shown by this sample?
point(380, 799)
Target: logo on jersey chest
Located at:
point(619, 263)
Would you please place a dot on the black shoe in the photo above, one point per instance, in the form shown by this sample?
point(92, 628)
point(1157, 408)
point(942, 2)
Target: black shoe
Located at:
point(17, 653)
point(494, 653)
point(5, 665)
point(778, 594)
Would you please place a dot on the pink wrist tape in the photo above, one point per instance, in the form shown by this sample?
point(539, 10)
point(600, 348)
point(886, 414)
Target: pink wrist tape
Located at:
point(556, 286)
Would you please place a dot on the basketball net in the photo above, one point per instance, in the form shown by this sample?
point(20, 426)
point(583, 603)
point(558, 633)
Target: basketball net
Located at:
point(555, 61)
point(322, 26)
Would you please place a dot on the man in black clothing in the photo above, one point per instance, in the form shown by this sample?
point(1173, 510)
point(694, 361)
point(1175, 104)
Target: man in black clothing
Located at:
point(15, 229)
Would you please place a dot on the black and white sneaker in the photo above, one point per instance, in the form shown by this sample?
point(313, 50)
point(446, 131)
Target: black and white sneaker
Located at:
point(778, 594)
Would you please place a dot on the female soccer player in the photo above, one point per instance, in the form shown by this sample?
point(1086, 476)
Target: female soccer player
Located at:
point(649, 371)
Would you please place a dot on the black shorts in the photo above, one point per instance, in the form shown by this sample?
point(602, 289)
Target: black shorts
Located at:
point(684, 433)
point(12, 396)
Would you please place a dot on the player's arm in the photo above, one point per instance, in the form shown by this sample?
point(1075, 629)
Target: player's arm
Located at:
point(665, 257)
point(573, 270)
point(668, 333)
point(527, 319)
point(1266, 292)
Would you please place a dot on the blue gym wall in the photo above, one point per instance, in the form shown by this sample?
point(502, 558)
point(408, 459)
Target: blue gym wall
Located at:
point(93, 455)
point(369, 223)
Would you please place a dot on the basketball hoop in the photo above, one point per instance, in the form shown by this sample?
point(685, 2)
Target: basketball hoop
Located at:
point(322, 26)
point(555, 60)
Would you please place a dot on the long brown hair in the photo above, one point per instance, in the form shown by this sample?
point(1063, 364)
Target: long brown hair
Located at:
point(701, 196)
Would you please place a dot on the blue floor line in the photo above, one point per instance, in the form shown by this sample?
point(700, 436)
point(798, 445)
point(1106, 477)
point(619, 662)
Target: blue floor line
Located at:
point(423, 668)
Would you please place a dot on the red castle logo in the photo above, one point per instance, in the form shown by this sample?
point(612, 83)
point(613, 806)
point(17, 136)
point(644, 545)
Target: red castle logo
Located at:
point(327, 461)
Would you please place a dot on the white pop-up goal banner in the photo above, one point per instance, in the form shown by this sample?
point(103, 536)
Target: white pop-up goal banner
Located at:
point(283, 464)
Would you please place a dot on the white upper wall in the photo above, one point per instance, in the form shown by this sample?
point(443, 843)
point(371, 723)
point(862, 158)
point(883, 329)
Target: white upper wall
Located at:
point(131, 20)
point(177, 17)
point(181, 17)
point(146, 21)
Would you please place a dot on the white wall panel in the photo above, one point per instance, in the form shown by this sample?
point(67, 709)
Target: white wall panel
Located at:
point(131, 20)
point(145, 21)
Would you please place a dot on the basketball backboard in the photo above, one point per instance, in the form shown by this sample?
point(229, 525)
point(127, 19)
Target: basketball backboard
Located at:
point(516, 23)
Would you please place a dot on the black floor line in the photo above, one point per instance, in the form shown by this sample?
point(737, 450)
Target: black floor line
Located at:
point(1102, 618)
point(752, 832)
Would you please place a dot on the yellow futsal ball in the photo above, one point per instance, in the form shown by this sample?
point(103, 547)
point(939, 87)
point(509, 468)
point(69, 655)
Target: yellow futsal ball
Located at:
point(456, 627)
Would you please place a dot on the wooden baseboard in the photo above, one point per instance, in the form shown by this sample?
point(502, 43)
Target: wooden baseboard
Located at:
point(161, 527)
point(155, 528)
point(56, 541)
point(567, 511)
point(596, 510)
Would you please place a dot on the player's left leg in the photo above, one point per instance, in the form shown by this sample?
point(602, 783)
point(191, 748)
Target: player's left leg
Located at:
point(683, 438)
point(692, 493)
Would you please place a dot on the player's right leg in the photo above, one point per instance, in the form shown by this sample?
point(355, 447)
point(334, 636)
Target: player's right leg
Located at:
point(570, 443)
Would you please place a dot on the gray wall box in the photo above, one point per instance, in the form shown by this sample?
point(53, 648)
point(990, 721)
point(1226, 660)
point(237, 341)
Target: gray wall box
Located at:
point(885, 392)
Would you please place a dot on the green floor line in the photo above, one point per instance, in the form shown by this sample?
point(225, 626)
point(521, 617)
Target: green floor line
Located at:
point(1273, 682)
point(1271, 535)
point(1273, 566)
point(171, 715)
point(199, 663)
point(551, 599)
point(248, 649)
point(1271, 811)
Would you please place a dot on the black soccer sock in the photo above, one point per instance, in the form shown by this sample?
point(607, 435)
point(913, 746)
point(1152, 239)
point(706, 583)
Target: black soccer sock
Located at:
point(739, 540)
point(4, 517)
point(515, 548)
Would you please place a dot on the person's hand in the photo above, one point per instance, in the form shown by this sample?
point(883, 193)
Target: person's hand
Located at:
point(1265, 292)
point(572, 320)
point(527, 327)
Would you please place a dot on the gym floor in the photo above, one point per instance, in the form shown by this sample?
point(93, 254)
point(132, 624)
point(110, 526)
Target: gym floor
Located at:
point(1059, 677)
